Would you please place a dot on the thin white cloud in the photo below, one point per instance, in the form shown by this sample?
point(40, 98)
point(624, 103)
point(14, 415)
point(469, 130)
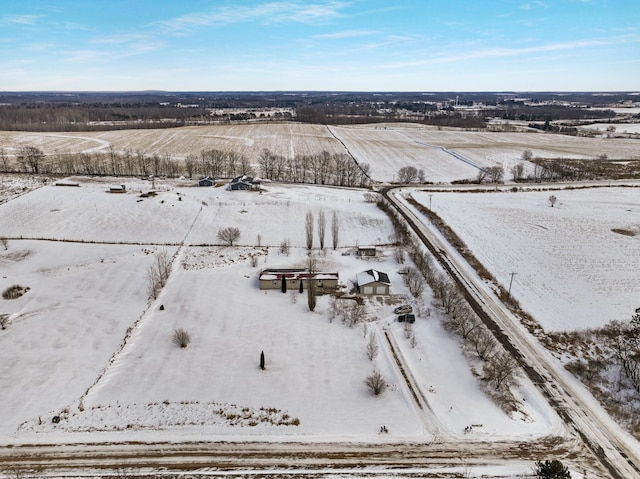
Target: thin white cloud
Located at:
point(271, 12)
point(21, 19)
point(486, 53)
point(347, 34)
point(532, 5)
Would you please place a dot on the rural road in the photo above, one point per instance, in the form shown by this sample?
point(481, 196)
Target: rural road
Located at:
point(275, 459)
point(611, 445)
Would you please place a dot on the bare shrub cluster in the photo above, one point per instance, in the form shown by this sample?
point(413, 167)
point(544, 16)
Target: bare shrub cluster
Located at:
point(181, 337)
point(376, 382)
point(15, 291)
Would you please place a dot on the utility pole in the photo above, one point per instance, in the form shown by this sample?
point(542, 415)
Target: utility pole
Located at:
point(511, 282)
point(430, 196)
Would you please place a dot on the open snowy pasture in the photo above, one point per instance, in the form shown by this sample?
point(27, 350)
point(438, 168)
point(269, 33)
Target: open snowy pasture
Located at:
point(576, 264)
point(87, 345)
point(61, 333)
point(617, 127)
point(446, 155)
point(388, 148)
point(285, 139)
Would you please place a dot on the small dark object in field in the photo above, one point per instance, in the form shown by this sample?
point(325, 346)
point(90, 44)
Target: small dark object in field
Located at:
point(55, 419)
point(162, 307)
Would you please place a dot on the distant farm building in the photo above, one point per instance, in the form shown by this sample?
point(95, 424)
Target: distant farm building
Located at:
point(206, 181)
point(117, 189)
point(66, 183)
point(366, 251)
point(244, 182)
point(372, 282)
point(326, 283)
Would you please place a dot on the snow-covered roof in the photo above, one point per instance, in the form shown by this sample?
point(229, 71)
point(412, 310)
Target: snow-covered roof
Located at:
point(372, 276)
point(291, 274)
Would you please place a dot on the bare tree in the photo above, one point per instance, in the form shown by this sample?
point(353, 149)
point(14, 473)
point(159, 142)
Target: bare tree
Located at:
point(372, 347)
point(4, 242)
point(483, 343)
point(415, 282)
point(517, 171)
point(285, 247)
point(552, 200)
point(371, 197)
point(407, 174)
point(31, 158)
point(376, 382)
point(355, 313)
point(527, 155)
point(501, 370)
point(308, 229)
point(322, 227)
point(181, 338)
point(4, 161)
point(399, 255)
point(4, 321)
point(496, 173)
point(463, 323)
point(229, 235)
point(158, 273)
point(335, 229)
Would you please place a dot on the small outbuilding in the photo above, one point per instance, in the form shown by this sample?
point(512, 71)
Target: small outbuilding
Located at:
point(206, 181)
point(245, 182)
point(117, 189)
point(372, 282)
point(366, 251)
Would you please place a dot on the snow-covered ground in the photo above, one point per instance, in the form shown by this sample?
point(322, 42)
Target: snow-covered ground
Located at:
point(85, 343)
point(576, 264)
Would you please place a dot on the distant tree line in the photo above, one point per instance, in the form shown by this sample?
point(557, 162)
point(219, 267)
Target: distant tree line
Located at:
point(67, 117)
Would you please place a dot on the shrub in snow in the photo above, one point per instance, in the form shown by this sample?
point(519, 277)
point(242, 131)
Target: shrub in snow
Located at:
point(14, 292)
point(376, 382)
point(181, 338)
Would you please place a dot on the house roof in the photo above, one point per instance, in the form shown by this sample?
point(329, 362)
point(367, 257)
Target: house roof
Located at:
point(372, 276)
point(294, 274)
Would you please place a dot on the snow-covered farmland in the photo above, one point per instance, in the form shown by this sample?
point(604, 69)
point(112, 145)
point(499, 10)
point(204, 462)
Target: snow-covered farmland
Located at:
point(448, 154)
point(84, 342)
point(576, 264)
point(443, 154)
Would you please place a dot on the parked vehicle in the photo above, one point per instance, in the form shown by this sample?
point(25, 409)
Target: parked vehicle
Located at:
point(404, 309)
point(407, 318)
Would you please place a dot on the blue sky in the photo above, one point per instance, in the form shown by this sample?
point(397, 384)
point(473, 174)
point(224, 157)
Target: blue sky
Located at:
point(356, 45)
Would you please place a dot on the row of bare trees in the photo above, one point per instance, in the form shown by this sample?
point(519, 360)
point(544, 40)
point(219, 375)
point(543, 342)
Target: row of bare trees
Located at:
point(499, 368)
point(322, 168)
point(322, 228)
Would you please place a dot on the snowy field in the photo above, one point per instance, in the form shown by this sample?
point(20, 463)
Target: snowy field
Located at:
point(86, 344)
point(444, 155)
point(618, 127)
point(447, 155)
point(573, 271)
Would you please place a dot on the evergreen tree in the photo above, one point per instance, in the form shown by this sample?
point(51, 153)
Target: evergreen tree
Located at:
point(551, 470)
